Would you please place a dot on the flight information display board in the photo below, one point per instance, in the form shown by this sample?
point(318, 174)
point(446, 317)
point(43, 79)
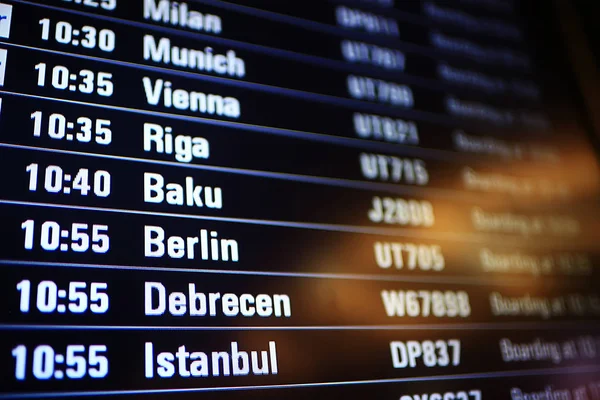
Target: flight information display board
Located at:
point(261, 199)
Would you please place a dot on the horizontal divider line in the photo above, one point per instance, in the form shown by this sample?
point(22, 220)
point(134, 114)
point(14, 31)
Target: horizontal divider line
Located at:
point(453, 280)
point(338, 182)
point(309, 96)
point(454, 377)
point(460, 237)
point(403, 112)
point(455, 27)
point(317, 60)
point(367, 145)
point(337, 30)
point(307, 23)
point(530, 326)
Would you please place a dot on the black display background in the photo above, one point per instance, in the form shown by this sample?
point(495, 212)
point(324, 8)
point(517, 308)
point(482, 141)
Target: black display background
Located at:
point(342, 355)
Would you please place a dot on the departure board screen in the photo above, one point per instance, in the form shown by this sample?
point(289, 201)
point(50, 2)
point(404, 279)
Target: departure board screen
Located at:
point(292, 199)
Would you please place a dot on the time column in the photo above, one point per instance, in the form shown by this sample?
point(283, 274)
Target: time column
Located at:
point(40, 84)
point(45, 101)
point(60, 77)
point(59, 362)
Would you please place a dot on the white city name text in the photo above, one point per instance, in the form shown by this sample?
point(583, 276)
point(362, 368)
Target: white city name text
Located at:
point(179, 14)
point(182, 99)
point(161, 140)
point(189, 194)
point(197, 304)
point(179, 247)
point(197, 364)
point(161, 51)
